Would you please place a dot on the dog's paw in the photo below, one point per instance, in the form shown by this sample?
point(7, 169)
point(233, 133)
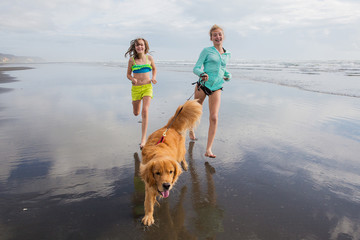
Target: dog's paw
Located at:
point(184, 165)
point(148, 220)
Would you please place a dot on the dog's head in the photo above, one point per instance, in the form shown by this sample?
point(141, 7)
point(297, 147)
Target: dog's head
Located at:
point(161, 174)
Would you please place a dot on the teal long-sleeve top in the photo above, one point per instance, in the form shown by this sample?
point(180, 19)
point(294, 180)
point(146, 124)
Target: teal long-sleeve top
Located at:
point(214, 65)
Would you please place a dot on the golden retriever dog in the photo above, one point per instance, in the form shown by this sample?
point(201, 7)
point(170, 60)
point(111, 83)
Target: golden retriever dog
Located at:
point(161, 157)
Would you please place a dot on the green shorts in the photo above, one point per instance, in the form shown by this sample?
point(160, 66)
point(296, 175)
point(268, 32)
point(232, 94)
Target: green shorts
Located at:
point(138, 92)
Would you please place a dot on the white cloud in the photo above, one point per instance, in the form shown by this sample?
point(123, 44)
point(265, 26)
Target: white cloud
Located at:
point(183, 24)
point(280, 15)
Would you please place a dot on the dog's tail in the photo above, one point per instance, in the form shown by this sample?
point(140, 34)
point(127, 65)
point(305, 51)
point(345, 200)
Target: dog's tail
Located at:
point(186, 116)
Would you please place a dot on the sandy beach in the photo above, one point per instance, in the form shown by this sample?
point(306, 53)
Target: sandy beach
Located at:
point(287, 149)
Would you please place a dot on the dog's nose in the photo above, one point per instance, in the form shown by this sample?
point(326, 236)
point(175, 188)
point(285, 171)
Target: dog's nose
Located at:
point(166, 186)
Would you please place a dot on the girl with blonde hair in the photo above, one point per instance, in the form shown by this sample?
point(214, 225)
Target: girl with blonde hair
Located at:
point(211, 69)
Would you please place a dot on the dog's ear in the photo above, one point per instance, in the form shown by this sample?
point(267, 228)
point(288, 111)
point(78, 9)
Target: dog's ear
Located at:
point(146, 173)
point(177, 172)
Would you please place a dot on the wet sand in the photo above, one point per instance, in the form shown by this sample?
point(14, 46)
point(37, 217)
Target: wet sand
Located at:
point(5, 78)
point(287, 165)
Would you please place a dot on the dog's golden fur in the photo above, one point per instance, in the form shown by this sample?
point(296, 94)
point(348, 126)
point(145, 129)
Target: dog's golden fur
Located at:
point(160, 166)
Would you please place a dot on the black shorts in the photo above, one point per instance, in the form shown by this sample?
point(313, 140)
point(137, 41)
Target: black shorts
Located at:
point(205, 89)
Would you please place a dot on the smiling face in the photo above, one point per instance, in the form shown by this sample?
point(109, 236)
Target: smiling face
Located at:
point(217, 36)
point(140, 46)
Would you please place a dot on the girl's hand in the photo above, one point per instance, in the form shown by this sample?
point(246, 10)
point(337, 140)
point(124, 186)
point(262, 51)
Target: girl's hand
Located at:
point(134, 81)
point(153, 81)
point(204, 77)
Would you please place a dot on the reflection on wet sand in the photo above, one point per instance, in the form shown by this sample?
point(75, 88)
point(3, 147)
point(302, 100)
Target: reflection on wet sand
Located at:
point(289, 166)
point(5, 78)
point(139, 190)
point(346, 228)
point(208, 219)
point(171, 220)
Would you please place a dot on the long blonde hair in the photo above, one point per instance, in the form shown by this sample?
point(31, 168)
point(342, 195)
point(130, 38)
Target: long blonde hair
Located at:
point(132, 52)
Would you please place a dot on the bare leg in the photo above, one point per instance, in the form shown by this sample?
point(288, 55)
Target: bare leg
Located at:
point(200, 96)
point(136, 107)
point(214, 107)
point(145, 119)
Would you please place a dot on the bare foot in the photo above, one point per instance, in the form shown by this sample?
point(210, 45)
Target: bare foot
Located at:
point(210, 154)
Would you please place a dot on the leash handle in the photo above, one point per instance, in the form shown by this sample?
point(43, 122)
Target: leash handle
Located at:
point(200, 79)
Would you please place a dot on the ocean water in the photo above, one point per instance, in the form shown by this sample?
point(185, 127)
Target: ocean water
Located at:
point(287, 143)
point(328, 77)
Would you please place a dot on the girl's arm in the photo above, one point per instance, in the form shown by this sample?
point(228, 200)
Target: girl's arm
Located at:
point(129, 71)
point(227, 75)
point(197, 68)
point(153, 79)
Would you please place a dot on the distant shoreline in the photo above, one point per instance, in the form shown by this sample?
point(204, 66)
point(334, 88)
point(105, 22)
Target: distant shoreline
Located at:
point(5, 69)
point(5, 78)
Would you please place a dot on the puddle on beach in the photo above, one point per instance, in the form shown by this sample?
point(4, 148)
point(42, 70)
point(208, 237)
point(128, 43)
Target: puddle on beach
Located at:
point(287, 165)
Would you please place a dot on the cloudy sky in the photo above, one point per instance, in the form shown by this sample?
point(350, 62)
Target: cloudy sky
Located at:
point(178, 29)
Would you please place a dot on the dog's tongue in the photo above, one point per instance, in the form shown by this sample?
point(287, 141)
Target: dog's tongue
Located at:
point(165, 194)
